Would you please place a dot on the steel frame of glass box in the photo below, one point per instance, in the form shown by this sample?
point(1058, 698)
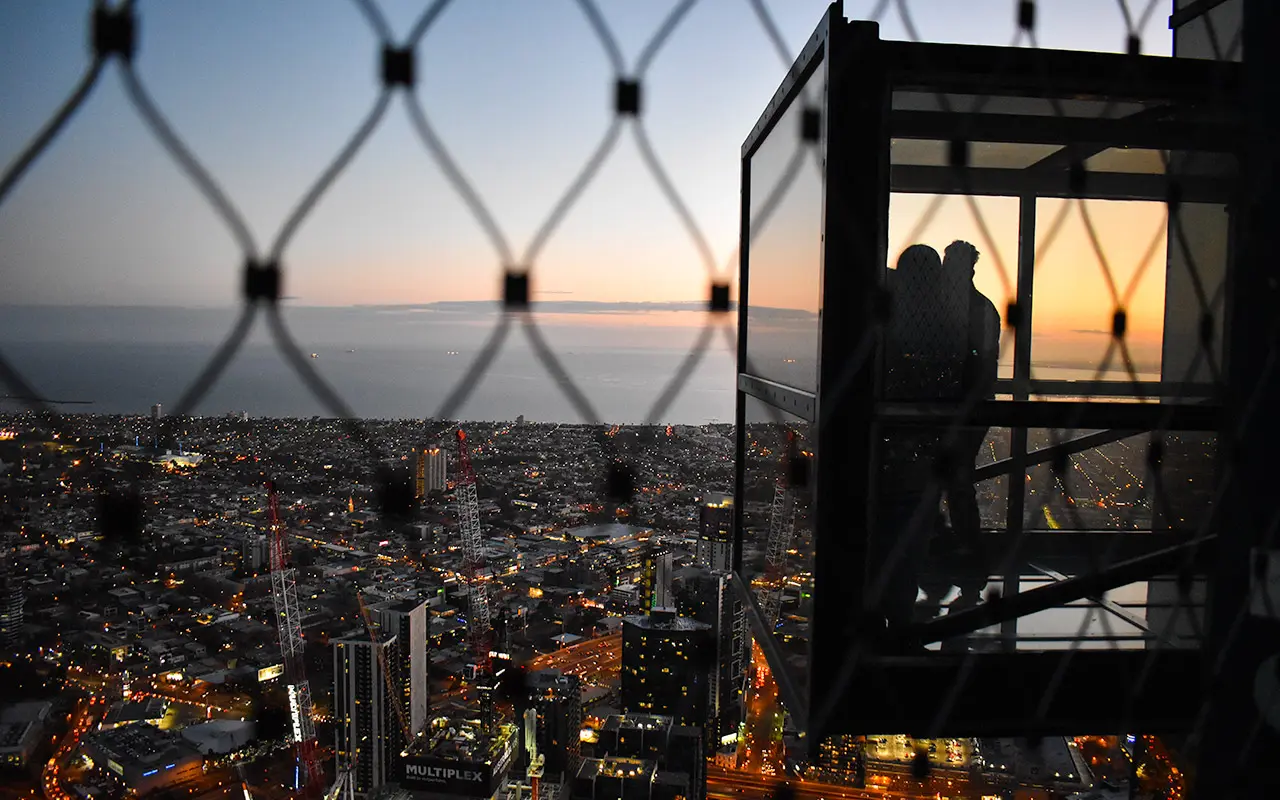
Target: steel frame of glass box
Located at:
point(1184, 107)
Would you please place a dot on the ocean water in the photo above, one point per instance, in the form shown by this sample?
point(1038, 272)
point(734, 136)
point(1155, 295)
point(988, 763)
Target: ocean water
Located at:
point(382, 365)
point(400, 362)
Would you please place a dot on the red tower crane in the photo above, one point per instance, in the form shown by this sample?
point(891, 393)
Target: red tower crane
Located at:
point(284, 593)
point(478, 623)
point(479, 631)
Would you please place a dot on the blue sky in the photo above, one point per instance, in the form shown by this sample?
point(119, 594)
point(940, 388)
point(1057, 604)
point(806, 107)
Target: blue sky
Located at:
point(521, 92)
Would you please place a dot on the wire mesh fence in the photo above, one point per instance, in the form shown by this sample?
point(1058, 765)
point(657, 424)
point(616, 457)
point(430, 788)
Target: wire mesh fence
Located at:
point(1032, 473)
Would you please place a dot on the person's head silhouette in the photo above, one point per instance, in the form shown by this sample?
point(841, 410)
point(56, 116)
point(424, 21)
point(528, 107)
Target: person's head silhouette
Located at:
point(919, 260)
point(961, 256)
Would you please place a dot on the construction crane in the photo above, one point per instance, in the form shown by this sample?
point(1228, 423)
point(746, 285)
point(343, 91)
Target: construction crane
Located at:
point(782, 524)
point(478, 621)
point(284, 593)
point(536, 759)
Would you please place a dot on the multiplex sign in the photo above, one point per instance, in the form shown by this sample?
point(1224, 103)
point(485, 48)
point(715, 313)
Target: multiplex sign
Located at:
point(452, 777)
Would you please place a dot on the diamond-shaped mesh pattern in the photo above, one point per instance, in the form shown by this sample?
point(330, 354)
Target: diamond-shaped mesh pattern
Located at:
point(937, 342)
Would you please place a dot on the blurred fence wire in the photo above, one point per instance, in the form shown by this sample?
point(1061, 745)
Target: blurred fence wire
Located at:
point(116, 38)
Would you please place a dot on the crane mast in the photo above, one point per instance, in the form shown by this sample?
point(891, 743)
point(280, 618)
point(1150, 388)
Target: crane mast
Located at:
point(478, 621)
point(284, 594)
point(536, 759)
point(782, 523)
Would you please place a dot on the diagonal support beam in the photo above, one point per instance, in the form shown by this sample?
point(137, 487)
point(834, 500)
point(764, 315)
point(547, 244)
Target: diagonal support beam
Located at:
point(1100, 600)
point(1161, 562)
point(1046, 454)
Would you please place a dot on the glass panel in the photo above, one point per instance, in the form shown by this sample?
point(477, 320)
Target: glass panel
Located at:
point(1104, 488)
point(1126, 159)
point(1093, 257)
point(1183, 496)
point(1194, 286)
point(937, 221)
point(1138, 160)
point(784, 271)
point(989, 155)
point(783, 581)
point(1213, 35)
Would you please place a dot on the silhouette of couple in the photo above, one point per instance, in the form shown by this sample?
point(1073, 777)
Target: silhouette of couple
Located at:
point(942, 345)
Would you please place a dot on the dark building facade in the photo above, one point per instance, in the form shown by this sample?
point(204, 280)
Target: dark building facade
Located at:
point(557, 698)
point(666, 665)
point(366, 727)
point(407, 620)
point(708, 597)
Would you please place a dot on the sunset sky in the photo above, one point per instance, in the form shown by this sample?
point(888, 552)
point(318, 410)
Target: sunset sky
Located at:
point(521, 93)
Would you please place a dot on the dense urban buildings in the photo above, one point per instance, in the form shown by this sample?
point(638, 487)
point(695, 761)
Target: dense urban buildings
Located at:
point(172, 622)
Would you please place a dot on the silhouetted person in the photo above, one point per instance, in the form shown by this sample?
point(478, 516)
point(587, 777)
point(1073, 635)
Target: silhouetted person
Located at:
point(978, 379)
point(923, 363)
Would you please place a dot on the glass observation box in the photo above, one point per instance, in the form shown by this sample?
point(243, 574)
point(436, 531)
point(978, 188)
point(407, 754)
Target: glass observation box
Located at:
point(983, 293)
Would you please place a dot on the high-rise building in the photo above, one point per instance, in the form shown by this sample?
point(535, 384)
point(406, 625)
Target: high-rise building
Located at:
point(666, 663)
point(255, 553)
point(557, 699)
point(408, 620)
point(655, 578)
point(430, 472)
point(157, 412)
point(366, 728)
point(708, 597)
point(715, 532)
point(12, 600)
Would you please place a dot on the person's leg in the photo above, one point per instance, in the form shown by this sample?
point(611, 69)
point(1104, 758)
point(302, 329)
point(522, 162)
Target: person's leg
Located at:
point(962, 493)
point(966, 520)
point(906, 524)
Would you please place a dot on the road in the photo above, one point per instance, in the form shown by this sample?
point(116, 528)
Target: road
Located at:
point(83, 719)
point(726, 784)
point(596, 661)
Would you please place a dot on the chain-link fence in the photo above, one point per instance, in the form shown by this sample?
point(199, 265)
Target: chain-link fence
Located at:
point(1090, 466)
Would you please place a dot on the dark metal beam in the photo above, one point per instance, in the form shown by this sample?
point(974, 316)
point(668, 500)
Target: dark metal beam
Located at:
point(1134, 570)
point(1006, 694)
point(791, 400)
point(1062, 414)
point(1122, 388)
point(1044, 455)
point(1047, 129)
point(1042, 72)
point(915, 179)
